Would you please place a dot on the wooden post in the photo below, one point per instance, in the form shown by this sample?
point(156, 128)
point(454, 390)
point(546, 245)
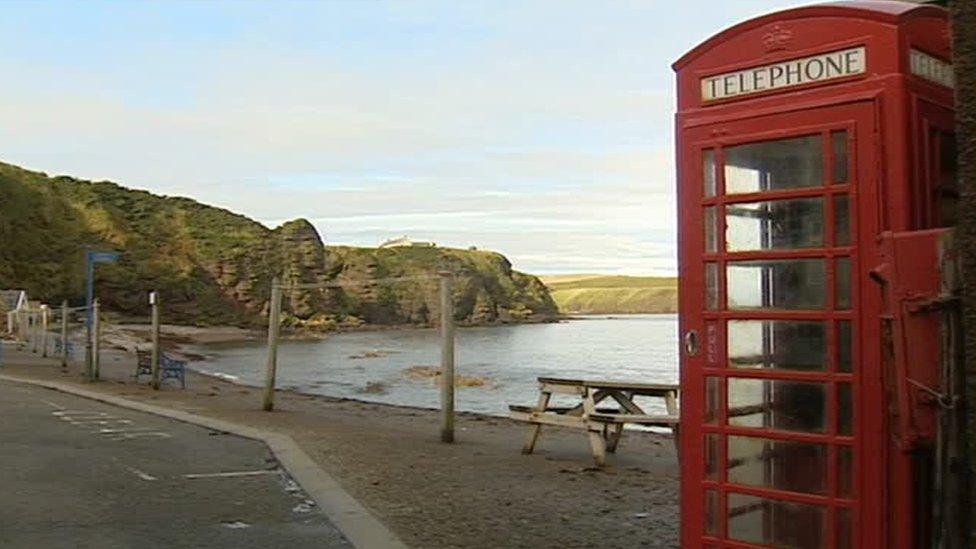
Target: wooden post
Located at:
point(536, 428)
point(45, 311)
point(35, 327)
point(154, 334)
point(597, 443)
point(64, 334)
point(274, 320)
point(447, 359)
point(22, 319)
point(88, 344)
point(96, 336)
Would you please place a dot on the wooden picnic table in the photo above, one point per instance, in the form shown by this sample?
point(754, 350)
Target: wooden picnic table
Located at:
point(604, 426)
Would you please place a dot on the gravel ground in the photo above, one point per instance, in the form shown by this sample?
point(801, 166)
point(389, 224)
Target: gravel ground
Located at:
point(478, 492)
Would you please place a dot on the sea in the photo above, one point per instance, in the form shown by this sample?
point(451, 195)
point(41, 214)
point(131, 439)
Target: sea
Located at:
point(496, 366)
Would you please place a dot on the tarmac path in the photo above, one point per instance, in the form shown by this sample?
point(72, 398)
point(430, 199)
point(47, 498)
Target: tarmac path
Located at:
point(79, 473)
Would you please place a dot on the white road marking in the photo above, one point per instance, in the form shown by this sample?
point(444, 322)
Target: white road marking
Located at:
point(125, 430)
point(233, 474)
point(53, 405)
point(140, 474)
point(127, 436)
point(103, 421)
point(115, 428)
point(70, 415)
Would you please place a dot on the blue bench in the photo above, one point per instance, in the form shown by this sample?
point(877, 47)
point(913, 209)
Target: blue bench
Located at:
point(169, 368)
point(57, 347)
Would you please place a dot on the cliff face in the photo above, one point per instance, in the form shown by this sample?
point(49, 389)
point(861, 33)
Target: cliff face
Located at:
point(486, 289)
point(214, 266)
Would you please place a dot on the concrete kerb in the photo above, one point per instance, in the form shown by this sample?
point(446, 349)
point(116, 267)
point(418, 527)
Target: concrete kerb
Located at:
point(356, 523)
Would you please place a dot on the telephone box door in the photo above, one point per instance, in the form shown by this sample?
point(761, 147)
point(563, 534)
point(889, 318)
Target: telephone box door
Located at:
point(776, 449)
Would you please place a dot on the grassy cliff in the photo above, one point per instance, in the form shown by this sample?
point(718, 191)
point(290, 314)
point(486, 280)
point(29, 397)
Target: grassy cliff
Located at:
point(488, 290)
point(214, 266)
point(599, 294)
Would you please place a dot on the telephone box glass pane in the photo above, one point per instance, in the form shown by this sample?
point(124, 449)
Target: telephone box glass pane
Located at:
point(776, 284)
point(711, 343)
point(712, 393)
point(776, 523)
point(781, 344)
point(774, 224)
point(711, 230)
point(776, 404)
point(709, 187)
point(845, 529)
point(791, 163)
point(711, 512)
point(845, 409)
point(842, 221)
point(778, 464)
point(711, 456)
point(845, 353)
point(838, 145)
point(845, 472)
point(711, 286)
point(842, 283)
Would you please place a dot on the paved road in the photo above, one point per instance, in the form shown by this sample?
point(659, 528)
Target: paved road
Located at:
point(78, 473)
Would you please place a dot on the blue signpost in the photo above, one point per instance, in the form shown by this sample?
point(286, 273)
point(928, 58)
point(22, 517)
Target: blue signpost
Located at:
point(91, 258)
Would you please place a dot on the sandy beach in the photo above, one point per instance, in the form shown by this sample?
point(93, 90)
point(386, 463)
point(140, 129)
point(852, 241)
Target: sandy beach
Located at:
point(479, 492)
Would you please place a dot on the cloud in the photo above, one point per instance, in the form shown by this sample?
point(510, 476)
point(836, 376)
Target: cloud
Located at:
point(542, 129)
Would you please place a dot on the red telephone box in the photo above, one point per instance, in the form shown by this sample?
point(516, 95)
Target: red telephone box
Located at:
point(815, 160)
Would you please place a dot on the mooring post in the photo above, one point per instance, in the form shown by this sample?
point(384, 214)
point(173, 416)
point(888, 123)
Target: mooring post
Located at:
point(447, 358)
point(22, 329)
point(35, 328)
point(64, 334)
point(274, 320)
point(88, 343)
point(45, 311)
point(154, 335)
point(96, 344)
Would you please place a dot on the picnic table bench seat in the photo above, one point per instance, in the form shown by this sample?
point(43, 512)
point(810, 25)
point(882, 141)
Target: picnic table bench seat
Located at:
point(657, 421)
point(169, 367)
point(58, 347)
point(610, 384)
point(554, 409)
point(604, 426)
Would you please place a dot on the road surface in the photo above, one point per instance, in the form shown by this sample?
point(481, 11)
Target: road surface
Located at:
point(79, 473)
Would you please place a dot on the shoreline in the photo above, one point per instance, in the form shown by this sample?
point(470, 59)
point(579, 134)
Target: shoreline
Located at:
point(186, 334)
point(431, 494)
point(222, 333)
point(596, 316)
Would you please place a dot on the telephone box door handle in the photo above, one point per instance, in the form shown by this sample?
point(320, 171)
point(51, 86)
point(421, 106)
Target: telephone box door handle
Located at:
point(692, 343)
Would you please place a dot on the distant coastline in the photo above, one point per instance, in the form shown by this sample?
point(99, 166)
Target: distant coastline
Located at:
point(587, 294)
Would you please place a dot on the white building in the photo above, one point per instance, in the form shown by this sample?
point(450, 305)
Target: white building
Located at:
point(406, 242)
point(12, 301)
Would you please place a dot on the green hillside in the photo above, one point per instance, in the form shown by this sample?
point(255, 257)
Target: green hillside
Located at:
point(214, 266)
point(603, 294)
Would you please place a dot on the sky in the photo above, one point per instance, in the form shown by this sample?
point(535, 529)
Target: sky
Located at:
point(540, 129)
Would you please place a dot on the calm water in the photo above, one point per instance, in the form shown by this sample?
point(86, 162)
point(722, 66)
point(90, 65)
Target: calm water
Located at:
point(383, 366)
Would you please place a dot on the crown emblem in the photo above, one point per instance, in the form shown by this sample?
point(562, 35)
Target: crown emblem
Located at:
point(777, 39)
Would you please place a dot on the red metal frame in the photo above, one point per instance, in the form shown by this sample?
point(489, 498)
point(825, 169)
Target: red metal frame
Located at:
point(798, 125)
point(887, 114)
